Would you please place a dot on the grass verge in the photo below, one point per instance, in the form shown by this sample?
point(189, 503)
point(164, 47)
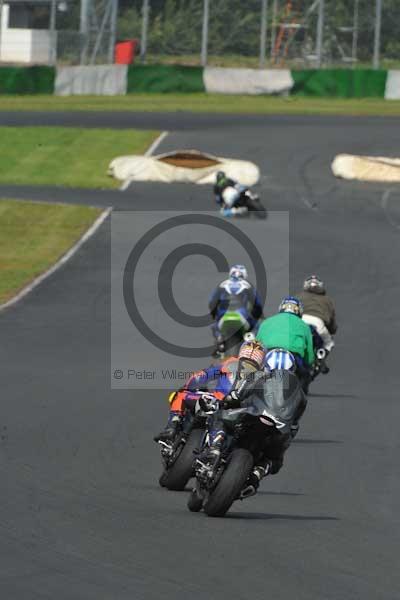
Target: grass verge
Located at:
point(65, 156)
point(33, 236)
point(214, 103)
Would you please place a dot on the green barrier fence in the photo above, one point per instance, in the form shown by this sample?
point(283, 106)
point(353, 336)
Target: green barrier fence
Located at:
point(27, 80)
point(340, 83)
point(164, 79)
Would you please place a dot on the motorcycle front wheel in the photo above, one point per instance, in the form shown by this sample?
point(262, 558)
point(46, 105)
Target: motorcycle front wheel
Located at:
point(230, 484)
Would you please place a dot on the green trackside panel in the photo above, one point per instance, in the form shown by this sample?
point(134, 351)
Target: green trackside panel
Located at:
point(27, 80)
point(165, 79)
point(340, 83)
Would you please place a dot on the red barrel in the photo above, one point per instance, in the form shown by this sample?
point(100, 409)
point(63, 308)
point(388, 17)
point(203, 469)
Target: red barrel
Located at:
point(125, 52)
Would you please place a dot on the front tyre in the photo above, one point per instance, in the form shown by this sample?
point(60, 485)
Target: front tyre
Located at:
point(231, 483)
point(182, 469)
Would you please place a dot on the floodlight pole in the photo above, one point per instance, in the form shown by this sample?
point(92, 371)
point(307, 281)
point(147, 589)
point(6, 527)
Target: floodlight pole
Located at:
point(204, 38)
point(53, 33)
point(84, 30)
point(145, 28)
point(320, 31)
point(263, 33)
point(355, 34)
point(273, 27)
point(377, 36)
point(113, 31)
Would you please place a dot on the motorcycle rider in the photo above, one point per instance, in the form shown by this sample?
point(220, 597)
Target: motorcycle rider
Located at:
point(234, 294)
point(226, 194)
point(251, 367)
point(222, 375)
point(287, 330)
point(319, 310)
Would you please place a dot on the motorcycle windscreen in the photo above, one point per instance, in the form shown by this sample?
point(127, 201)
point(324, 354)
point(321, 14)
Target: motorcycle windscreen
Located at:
point(280, 395)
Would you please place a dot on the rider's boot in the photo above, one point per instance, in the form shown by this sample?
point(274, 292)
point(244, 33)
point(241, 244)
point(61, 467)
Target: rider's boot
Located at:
point(173, 426)
point(258, 473)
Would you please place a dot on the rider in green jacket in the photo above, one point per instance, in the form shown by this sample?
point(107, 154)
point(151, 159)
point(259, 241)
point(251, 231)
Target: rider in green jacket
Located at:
point(286, 330)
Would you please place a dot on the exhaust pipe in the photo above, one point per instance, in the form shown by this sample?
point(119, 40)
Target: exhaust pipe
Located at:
point(321, 353)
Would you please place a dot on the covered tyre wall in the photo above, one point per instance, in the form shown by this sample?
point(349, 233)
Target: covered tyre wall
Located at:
point(185, 166)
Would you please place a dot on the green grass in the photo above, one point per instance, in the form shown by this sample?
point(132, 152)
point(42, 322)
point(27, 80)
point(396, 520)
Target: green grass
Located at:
point(33, 236)
point(65, 156)
point(213, 103)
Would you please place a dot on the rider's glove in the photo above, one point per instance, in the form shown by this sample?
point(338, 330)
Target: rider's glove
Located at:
point(232, 400)
point(208, 403)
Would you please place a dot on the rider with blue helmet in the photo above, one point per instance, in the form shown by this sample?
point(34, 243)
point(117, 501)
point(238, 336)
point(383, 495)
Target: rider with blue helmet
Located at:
point(287, 331)
point(234, 294)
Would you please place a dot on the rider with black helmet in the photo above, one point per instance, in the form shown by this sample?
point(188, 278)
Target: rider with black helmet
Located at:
point(221, 183)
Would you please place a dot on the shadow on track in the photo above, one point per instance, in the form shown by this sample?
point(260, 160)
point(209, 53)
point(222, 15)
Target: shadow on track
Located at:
point(315, 441)
point(353, 396)
point(283, 517)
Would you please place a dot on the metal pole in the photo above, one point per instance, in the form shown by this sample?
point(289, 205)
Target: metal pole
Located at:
point(377, 36)
point(320, 32)
point(53, 33)
point(84, 30)
point(263, 34)
point(113, 31)
point(204, 39)
point(355, 34)
point(145, 28)
point(1, 24)
point(273, 27)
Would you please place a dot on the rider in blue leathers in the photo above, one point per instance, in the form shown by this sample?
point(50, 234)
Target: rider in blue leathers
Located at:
point(238, 295)
point(216, 379)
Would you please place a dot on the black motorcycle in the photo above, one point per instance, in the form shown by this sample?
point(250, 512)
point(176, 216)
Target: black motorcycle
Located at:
point(178, 455)
point(267, 418)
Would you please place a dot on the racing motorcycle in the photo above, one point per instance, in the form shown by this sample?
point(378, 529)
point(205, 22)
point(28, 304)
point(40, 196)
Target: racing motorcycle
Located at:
point(268, 417)
point(319, 365)
point(178, 456)
point(234, 330)
point(243, 202)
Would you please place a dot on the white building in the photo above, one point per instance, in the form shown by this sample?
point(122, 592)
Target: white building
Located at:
point(25, 35)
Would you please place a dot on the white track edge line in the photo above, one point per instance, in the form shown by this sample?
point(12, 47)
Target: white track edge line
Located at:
point(148, 152)
point(61, 261)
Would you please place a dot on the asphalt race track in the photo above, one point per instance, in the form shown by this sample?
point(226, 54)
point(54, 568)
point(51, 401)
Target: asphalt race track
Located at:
point(81, 513)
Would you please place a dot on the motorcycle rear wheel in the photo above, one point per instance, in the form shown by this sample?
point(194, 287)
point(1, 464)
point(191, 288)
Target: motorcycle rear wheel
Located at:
point(230, 484)
point(254, 205)
point(182, 470)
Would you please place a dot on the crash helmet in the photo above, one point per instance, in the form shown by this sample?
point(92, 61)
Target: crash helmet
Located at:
point(292, 305)
point(221, 178)
point(314, 284)
point(238, 272)
point(252, 353)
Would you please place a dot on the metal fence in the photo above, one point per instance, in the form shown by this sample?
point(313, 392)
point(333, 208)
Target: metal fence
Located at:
point(270, 33)
point(308, 33)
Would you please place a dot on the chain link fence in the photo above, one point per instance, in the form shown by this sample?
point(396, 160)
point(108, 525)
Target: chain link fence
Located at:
point(251, 33)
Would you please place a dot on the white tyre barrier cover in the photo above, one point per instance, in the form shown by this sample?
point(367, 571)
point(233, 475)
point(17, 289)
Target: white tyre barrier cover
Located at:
point(366, 168)
point(155, 168)
point(392, 90)
point(102, 80)
point(218, 80)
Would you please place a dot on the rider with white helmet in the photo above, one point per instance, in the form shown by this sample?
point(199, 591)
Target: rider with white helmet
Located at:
point(234, 294)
